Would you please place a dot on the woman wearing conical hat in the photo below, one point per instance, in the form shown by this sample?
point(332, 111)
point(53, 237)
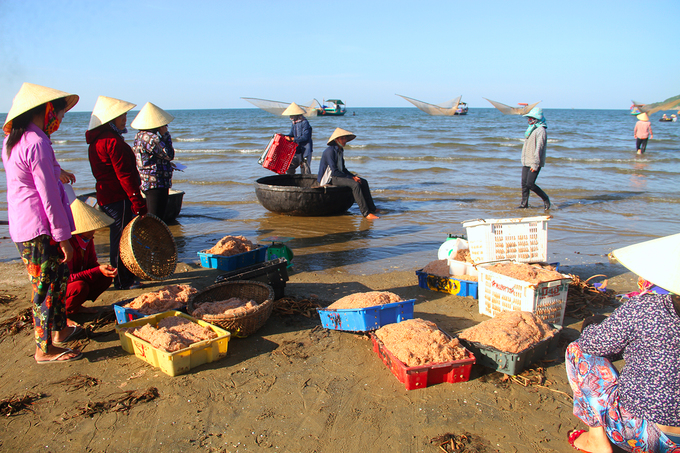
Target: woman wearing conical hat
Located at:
point(117, 179)
point(88, 279)
point(154, 152)
point(300, 133)
point(332, 171)
point(642, 132)
point(40, 220)
point(635, 407)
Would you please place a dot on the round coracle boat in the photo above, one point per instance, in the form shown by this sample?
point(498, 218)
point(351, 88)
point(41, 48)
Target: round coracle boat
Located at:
point(301, 195)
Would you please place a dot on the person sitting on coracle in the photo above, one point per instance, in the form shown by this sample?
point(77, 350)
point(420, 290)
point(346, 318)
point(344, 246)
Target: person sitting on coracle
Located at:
point(88, 279)
point(332, 170)
point(300, 133)
point(637, 409)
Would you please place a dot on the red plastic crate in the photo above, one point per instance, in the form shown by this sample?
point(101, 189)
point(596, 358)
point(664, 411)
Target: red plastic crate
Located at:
point(418, 377)
point(278, 154)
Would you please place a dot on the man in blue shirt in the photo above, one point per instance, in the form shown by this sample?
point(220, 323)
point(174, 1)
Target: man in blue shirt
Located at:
point(300, 133)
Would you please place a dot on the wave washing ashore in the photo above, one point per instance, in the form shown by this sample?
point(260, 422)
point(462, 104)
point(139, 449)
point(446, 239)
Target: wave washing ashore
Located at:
point(427, 174)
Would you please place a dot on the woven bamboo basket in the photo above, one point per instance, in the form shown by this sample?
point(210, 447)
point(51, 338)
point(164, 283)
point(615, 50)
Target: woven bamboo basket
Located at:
point(148, 248)
point(242, 324)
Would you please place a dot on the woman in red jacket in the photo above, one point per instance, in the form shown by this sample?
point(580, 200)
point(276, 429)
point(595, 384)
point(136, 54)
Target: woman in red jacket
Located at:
point(118, 184)
point(88, 279)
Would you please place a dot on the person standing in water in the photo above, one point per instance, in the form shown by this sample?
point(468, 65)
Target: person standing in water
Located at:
point(533, 157)
point(300, 133)
point(642, 132)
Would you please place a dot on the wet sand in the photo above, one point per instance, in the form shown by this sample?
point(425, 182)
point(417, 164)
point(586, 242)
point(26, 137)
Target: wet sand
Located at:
point(292, 386)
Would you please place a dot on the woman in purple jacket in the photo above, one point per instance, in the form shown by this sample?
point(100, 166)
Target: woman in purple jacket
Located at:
point(40, 221)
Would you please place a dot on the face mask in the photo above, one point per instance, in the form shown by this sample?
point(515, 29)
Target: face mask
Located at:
point(52, 121)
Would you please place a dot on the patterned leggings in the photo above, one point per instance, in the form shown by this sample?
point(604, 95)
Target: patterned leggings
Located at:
point(594, 381)
point(49, 279)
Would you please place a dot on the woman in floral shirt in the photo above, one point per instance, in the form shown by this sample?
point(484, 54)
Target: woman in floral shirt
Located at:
point(638, 408)
point(154, 152)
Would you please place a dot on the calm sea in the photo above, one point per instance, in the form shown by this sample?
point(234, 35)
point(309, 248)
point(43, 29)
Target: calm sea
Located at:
point(427, 173)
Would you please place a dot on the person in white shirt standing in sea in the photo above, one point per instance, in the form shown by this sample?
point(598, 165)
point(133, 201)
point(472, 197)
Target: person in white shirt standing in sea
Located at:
point(533, 157)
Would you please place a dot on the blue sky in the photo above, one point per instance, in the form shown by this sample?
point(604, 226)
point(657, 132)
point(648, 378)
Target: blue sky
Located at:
point(208, 54)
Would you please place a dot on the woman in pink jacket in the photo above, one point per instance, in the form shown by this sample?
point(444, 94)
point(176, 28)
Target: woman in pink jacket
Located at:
point(40, 221)
point(642, 132)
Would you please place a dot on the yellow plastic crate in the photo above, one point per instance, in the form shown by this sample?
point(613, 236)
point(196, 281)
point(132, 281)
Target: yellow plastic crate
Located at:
point(178, 362)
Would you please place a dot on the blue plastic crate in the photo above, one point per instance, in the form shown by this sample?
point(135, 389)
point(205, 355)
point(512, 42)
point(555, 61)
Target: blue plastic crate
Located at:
point(124, 314)
point(230, 263)
point(509, 362)
point(366, 319)
point(450, 285)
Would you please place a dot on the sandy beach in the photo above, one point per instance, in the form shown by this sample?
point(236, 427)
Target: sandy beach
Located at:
point(293, 386)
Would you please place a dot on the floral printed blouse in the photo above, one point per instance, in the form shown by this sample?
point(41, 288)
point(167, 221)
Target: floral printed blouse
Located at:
point(154, 155)
point(646, 329)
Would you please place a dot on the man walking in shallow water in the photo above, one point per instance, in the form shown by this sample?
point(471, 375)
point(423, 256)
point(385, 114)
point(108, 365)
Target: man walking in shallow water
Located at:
point(533, 157)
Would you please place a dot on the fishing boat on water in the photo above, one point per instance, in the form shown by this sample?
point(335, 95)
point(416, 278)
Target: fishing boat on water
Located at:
point(521, 109)
point(330, 107)
point(335, 107)
point(450, 108)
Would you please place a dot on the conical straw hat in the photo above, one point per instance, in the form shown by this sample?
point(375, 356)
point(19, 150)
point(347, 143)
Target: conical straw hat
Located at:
point(107, 109)
point(293, 109)
point(643, 117)
point(341, 133)
point(31, 96)
point(151, 117)
point(657, 261)
point(88, 218)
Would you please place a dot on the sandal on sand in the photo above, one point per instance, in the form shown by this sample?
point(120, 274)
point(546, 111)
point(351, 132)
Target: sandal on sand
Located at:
point(573, 435)
point(56, 358)
point(77, 330)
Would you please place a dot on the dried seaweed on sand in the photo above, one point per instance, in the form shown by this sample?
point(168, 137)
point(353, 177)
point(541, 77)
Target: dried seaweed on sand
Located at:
point(297, 306)
point(7, 298)
point(418, 342)
point(509, 331)
point(462, 443)
point(583, 297)
point(15, 404)
point(122, 403)
point(79, 381)
point(363, 300)
point(231, 245)
point(16, 324)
